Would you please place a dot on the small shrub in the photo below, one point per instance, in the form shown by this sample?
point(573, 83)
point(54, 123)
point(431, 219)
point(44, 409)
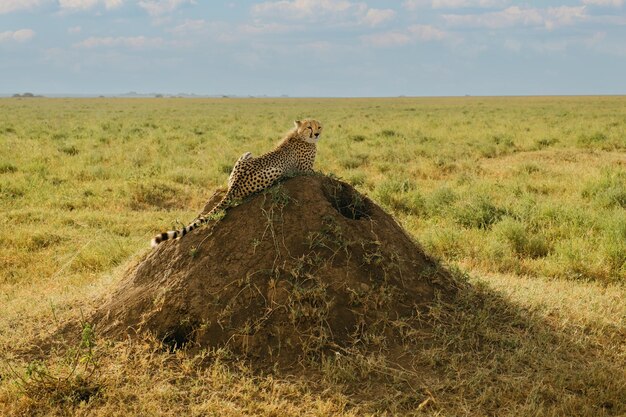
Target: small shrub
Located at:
point(521, 242)
point(387, 133)
point(479, 213)
point(71, 381)
point(69, 150)
point(7, 168)
point(358, 138)
point(278, 195)
point(503, 140)
point(43, 240)
point(488, 151)
point(411, 203)
point(530, 168)
point(578, 260)
point(444, 242)
point(422, 138)
point(615, 255)
point(59, 136)
point(593, 138)
point(356, 178)
point(392, 193)
point(385, 195)
point(441, 199)
point(415, 203)
point(501, 256)
point(398, 186)
point(10, 191)
point(384, 167)
point(444, 165)
point(610, 191)
point(545, 142)
point(614, 247)
point(497, 145)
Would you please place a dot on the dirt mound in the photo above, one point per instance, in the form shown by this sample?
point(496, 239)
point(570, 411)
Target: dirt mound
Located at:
point(309, 266)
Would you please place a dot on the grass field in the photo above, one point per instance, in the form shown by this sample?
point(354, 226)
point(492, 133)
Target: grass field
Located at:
point(527, 195)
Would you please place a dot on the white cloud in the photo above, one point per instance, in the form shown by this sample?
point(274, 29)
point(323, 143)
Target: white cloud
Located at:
point(516, 16)
point(76, 5)
point(9, 6)
point(21, 35)
point(564, 16)
point(427, 33)
point(134, 42)
point(195, 29)
point(387, 39)
point(113, 4)
point(303, 9)
point(606, 3)
point(414, 33)
point(265, 28)
point(323, 11)
point(453, 4)
point(74, 30)
point(511, 16)
point(375, 17)
point(161, 7)
point(416, 4)
point(189, 26)
point(596, 41)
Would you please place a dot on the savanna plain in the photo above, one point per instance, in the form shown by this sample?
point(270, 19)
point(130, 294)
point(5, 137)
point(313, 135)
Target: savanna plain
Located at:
point(523, 197)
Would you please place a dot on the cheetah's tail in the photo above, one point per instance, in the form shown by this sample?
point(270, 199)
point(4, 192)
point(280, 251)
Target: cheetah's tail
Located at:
point(173, 234)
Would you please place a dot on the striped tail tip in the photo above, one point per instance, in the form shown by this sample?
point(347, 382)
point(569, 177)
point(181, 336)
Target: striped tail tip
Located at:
point(160, 238)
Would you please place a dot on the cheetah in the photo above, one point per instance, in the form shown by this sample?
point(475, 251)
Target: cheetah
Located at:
point(294, 154)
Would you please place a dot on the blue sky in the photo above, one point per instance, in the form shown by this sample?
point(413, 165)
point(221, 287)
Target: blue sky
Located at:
point(314, 48)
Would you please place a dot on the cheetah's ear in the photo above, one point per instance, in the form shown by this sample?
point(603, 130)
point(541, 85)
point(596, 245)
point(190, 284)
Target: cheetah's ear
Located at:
point(297, 123)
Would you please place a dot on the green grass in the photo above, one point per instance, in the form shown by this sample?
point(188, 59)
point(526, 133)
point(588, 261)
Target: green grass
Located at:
point(528, 194)
point(439, 163)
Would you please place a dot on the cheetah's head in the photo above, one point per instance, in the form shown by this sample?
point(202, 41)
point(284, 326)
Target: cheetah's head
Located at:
point(308, 130)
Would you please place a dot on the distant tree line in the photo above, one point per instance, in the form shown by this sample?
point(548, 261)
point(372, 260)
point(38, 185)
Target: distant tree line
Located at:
point(25, 95)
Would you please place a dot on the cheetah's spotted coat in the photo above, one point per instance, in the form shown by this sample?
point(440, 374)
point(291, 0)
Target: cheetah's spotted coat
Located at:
point(296, 153)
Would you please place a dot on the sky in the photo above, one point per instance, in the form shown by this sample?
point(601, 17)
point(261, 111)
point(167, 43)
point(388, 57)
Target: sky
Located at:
point(306, 48)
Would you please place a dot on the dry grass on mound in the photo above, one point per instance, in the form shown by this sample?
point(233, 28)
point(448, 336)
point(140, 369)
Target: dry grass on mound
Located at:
point(311, 266)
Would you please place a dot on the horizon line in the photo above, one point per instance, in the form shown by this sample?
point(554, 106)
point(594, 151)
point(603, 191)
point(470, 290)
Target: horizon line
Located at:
point(284, 96)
